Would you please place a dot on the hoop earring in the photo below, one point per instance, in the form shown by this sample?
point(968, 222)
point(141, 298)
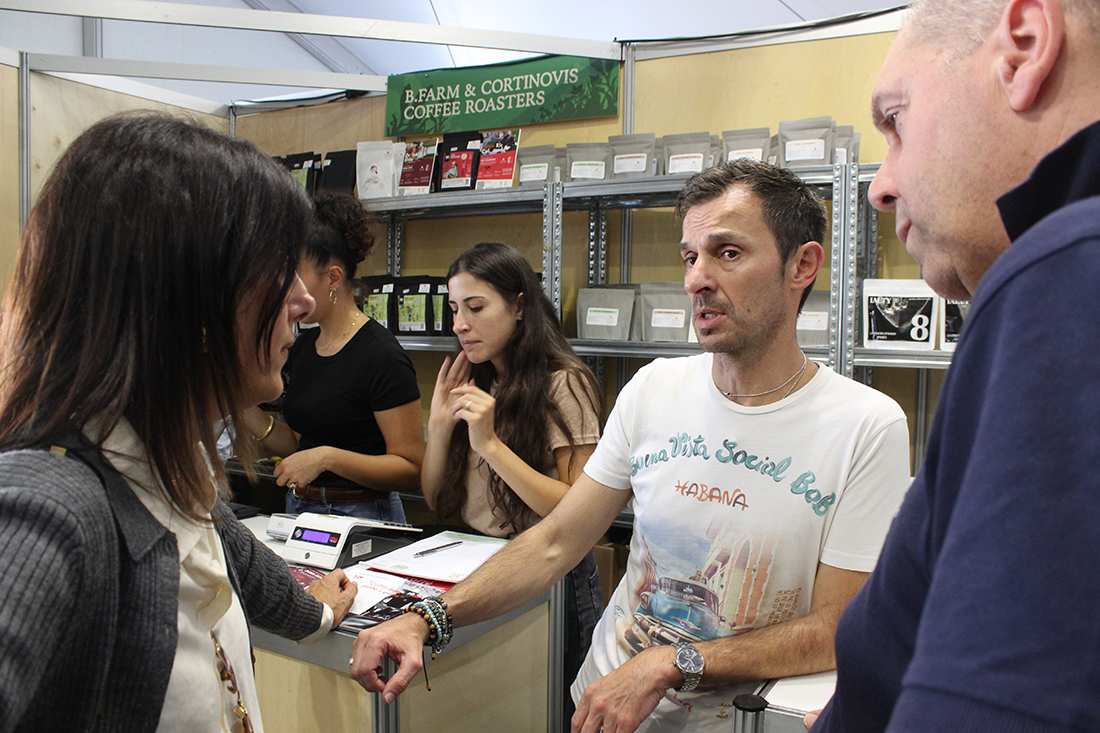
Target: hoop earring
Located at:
point(332, 296)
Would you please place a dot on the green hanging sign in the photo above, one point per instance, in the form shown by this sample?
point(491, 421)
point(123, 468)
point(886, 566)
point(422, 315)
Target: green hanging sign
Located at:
point(546, 89)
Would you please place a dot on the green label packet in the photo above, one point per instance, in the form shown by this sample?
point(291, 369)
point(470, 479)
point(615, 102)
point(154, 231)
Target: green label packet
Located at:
point(439, 302)
point(377, 307)
point(412, 312)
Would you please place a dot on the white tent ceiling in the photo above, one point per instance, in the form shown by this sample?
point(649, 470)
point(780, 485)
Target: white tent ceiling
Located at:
point(593, 20)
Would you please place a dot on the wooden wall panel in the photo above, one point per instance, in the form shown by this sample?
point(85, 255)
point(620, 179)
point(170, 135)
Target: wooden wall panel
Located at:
point(756, 87)
point(62, 109)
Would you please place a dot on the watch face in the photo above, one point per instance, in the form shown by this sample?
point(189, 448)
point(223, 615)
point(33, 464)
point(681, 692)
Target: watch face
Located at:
point(689, 659)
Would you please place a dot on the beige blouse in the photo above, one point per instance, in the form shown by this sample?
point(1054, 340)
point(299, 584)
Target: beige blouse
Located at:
point(582, 421)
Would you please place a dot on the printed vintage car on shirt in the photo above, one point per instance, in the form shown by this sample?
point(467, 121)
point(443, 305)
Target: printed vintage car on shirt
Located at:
point(677, 610)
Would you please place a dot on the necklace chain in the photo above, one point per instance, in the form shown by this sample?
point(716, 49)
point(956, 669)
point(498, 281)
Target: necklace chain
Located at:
point(354, 320)
point(344, 335)
point(793, 378)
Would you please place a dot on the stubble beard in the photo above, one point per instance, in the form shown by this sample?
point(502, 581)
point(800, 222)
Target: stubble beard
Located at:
point(746, 341)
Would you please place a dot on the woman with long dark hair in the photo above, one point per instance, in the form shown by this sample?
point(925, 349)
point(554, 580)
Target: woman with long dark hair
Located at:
point(154, 298)
point(353, 434)
point(514, 418)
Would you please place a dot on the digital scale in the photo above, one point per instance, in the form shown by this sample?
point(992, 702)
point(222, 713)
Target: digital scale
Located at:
point(328, 541)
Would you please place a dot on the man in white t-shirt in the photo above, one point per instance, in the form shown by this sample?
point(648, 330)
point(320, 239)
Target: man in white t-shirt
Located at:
point(763, 487)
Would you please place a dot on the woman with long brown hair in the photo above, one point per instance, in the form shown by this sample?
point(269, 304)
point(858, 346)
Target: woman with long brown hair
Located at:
point(154, 298)
point(515, 418)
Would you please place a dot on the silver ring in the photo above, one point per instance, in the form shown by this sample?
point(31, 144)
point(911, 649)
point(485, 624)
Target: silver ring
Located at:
point(293, 486)
point(468, 404)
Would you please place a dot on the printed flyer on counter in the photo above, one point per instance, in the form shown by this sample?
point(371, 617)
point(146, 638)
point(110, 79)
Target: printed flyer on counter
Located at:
point(381, 595)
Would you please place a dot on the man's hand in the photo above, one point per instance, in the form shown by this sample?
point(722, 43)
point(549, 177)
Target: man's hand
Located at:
point(337, 591)
point(402, 640)
point(620, 701)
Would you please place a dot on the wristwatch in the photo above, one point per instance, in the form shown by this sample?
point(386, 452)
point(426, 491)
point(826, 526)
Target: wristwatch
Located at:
point(689, 661)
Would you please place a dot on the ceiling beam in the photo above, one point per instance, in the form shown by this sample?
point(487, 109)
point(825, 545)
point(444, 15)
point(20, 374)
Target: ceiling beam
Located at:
point(333, 54)
point(321, 25)
point(200, 72)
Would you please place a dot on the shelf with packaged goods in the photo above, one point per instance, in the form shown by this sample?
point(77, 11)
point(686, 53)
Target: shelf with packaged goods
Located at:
point(596, 197)
point(464, 203)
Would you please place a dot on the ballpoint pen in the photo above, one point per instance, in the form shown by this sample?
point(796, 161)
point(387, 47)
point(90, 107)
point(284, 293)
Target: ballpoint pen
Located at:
point(429, 551)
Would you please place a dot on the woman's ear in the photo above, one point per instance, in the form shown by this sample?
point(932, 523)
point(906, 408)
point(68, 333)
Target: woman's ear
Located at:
point(519, 307)
point(335, 276)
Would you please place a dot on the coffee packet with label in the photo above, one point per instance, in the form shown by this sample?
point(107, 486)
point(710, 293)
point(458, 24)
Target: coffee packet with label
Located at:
point(633, 155)
point(588, 161)
point(807, 142)
point(899, 314)
point(754, 143)
point(374, 169)
point(688, 152)
point(536, 165)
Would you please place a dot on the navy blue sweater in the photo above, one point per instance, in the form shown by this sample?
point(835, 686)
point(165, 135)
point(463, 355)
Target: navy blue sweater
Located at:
point(984, 611)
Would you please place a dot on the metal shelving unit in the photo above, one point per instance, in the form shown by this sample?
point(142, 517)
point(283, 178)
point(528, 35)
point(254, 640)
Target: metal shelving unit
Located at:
point(597, 198)
point(854, 255)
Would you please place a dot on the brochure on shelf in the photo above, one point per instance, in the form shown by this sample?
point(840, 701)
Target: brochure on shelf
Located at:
point(417, 167)
point(899, 315)
point(374, 164)
point(496, 168)
point(952, 315)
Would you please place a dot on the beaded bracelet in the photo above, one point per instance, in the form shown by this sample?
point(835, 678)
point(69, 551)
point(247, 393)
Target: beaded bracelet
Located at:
point(440, 625)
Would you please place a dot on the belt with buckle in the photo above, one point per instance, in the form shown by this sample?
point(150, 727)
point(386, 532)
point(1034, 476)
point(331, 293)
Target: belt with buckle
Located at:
point(322, 493)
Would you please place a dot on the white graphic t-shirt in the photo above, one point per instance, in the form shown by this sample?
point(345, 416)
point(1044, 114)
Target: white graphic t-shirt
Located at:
point(734, 507)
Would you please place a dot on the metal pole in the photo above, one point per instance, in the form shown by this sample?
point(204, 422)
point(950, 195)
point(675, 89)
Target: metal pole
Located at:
point(24, 138)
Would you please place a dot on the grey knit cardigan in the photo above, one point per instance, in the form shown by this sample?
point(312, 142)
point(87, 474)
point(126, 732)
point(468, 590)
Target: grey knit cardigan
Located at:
point(89, 588)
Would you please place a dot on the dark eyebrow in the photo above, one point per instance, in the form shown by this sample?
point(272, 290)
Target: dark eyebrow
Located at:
point(718, 236)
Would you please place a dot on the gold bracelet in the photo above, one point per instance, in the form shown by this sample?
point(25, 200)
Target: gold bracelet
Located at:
point(266, 432)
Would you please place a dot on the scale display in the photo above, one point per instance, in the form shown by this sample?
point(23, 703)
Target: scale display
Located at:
point(317, 537)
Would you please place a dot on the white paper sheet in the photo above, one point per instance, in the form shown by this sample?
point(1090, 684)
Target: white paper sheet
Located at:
point(451, 564)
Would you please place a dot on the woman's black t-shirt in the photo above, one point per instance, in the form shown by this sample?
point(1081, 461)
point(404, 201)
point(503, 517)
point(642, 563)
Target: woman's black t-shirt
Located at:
point(331, 400)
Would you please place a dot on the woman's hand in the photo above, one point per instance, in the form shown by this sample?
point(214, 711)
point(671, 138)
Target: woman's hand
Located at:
point(449, 378)
point(478, 409)
point(337, 591)
point(301, 467)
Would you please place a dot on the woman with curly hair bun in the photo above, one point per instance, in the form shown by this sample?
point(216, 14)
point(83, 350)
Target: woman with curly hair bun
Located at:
point(353, 434)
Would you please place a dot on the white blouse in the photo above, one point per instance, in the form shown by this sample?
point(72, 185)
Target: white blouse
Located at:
point(197, 698)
